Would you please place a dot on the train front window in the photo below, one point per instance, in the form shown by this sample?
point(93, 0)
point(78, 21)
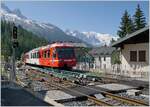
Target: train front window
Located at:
point(65, 52)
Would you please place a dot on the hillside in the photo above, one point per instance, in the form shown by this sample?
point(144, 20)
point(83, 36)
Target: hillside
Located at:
point(27, 40)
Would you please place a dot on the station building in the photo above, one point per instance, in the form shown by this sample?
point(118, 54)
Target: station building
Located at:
point(134, 53)
point(102, 58)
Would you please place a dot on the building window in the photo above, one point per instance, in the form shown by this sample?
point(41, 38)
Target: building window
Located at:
point(104, 58)
point(142, 56)
point(99, 58)
point(133, 55)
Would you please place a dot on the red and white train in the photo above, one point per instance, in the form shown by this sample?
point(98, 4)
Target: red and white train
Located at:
point(56, 55)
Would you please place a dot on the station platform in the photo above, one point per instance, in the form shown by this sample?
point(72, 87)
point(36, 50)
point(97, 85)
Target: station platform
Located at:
point(96, 89)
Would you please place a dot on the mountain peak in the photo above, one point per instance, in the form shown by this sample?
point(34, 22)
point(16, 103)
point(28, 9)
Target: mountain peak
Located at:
point(45, 30)
point(18, 13)
point(5, 8)
point(91, 37)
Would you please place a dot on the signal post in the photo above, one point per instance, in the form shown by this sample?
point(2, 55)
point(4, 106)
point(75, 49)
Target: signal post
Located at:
point(14, 45)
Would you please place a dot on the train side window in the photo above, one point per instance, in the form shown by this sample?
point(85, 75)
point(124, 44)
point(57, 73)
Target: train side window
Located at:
point(37, 54)
point(34, 55)
point(48, 54)
point(31, 55)
point(44, 54)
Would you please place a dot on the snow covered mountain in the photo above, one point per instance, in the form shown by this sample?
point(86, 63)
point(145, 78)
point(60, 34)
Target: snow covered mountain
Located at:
point(93, 38)
point(46, 30)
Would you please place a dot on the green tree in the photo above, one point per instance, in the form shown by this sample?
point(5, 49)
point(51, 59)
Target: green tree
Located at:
point(115, 59)
point(126, 26)
point(139, 19)
point(112, 41)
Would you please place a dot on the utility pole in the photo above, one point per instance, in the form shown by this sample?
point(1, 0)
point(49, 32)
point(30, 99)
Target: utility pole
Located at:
point(14, 45)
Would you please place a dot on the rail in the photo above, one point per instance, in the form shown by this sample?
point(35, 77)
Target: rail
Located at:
point(97, 101)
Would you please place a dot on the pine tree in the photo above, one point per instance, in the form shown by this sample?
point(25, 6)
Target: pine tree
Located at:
point(127, 25)
point(139, 19)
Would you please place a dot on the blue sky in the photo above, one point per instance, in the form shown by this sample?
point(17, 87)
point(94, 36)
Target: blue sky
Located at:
point(98, 16)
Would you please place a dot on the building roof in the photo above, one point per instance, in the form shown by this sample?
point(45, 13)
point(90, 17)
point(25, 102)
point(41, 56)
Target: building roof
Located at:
point(102, 51)
point(139, 36)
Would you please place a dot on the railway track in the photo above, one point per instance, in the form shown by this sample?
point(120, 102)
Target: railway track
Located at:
point(109, 95)
point(133, 102)
point(90, 98)
point(95, 100)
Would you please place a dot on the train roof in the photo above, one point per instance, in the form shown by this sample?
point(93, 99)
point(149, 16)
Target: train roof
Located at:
point(57, 45)
point(52, 45)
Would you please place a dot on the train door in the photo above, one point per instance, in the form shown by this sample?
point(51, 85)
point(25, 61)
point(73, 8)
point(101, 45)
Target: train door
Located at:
point(54, 58)
point(47, 57)
point(41, 58)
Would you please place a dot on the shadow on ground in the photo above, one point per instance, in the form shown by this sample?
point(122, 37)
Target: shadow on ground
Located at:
point(19, 97)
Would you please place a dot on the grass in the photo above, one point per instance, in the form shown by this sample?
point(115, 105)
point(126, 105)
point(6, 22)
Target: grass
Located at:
point(95, 73)
point(4, 72)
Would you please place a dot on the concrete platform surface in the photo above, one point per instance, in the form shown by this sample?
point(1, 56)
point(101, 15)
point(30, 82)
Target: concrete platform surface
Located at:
point(56, 94)
point(76, 91)
point(115, 87)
